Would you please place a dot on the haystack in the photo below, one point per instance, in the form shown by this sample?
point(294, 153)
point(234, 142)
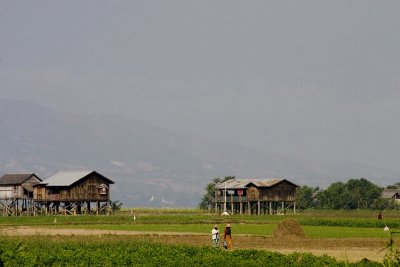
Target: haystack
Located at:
point(289, 229)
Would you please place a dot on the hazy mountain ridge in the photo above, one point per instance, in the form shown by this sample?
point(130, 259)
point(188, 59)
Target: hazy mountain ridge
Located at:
point(150, 165)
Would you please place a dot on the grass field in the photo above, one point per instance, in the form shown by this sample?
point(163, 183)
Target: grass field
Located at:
point(359, 230)
point(316, 224)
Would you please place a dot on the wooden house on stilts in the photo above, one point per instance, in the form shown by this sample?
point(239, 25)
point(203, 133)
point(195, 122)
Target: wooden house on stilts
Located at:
point(16, 192)
point(255, 196)
point(73, 193)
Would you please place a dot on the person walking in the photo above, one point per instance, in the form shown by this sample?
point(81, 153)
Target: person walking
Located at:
point(228, 244)
point(380, 216)
point(215, 236)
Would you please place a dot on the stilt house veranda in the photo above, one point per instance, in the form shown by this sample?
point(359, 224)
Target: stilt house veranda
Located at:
point(73, 193)
point(255, 196)
point(16, 192)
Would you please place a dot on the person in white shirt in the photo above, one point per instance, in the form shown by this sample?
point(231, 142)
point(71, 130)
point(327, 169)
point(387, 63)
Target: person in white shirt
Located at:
point(215, 236)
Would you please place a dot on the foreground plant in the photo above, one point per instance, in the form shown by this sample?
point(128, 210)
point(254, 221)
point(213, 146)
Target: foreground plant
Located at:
point(392, 256)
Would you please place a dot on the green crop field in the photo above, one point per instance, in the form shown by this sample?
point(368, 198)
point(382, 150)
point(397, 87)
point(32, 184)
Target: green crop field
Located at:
point(109, 251)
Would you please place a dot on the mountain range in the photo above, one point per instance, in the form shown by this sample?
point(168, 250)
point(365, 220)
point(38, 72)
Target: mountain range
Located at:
point(151, 166)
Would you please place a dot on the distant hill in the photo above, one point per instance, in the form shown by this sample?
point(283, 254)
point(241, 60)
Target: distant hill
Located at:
point(150, 165)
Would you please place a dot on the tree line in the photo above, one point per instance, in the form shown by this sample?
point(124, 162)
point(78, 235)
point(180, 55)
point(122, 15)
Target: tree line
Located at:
point(350, 195)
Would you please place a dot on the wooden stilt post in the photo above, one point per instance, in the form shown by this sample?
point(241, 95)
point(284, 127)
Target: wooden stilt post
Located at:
point(216, 201)
point(232, 204)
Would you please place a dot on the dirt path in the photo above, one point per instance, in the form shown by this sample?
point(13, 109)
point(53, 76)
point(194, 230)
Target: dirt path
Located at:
point(351, 249)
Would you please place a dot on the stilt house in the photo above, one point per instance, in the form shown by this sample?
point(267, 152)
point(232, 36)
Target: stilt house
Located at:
point(16, 192)
point(255, 196)
point(73, 193)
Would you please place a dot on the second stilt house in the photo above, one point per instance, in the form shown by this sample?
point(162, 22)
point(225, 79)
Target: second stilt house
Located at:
point(255, 196)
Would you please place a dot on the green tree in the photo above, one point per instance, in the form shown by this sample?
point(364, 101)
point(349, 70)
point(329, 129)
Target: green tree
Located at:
point(332, 197)
point(363, 193)
point(393, 186)
point(355, 194)
point(381, 204)
point(305, 197)
point(208, 197)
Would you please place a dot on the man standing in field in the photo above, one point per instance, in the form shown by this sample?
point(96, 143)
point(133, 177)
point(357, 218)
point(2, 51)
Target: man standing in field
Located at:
point(215, 236)
point(228, 237)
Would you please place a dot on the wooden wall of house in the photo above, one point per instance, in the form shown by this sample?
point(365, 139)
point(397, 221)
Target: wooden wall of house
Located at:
point(39, 192)
point(281, 192)
point(31, 181)
point(88, 189)
point(11, 191)
point(253, 193)
point(17, 191)
point(29, 184)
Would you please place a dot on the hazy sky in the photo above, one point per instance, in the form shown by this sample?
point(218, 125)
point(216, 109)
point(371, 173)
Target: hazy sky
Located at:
point(311, 79)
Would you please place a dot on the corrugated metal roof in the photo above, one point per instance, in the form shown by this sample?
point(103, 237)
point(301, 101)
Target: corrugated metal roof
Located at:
point(266, 183)
point(16, 178)
point(233, 183)
point(65, 178)
point(243, 183)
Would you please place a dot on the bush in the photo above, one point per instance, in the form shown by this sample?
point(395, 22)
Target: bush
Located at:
point(116, 205)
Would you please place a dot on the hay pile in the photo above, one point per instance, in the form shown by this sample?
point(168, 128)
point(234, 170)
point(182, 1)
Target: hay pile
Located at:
point(289, 229)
